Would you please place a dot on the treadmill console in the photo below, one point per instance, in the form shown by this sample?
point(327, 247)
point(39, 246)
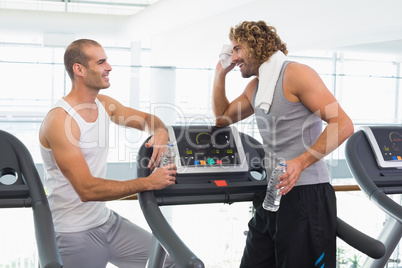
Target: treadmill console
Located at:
point(208, 149)
point(386, 143)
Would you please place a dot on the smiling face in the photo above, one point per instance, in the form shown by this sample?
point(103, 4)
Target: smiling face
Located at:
point(248, 66)
point(97, 73)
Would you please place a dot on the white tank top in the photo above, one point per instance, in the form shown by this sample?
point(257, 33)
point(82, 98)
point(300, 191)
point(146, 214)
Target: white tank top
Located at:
point(69, 213)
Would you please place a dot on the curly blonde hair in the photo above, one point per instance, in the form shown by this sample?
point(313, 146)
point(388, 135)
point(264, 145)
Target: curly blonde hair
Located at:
point(261, 41)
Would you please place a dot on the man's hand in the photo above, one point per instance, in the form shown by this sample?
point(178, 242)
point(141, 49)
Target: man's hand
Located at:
point(221, 70)
point(158, 141)
point(291, 176)
point(163, 177)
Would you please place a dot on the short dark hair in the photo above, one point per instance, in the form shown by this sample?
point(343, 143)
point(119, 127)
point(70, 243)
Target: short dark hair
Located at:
point(75, 54)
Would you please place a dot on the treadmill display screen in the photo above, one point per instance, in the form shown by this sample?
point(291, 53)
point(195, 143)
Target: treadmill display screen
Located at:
point(389, 142)
point(210, 146)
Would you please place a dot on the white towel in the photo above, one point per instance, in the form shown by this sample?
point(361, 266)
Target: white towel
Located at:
point(226, 56)
point(268, 77)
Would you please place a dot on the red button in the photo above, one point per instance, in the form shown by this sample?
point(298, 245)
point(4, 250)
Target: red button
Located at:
point(220, 183)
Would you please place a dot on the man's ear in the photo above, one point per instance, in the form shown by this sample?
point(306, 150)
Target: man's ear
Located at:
point(78, 69)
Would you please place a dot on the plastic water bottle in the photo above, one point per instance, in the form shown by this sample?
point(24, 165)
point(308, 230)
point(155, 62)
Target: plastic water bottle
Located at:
point(168, 155)
point(273, 198)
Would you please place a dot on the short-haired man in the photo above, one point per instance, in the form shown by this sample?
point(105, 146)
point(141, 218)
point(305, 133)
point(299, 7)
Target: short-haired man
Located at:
point(74, 145)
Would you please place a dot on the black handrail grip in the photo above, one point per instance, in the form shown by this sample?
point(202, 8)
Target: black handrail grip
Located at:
point(178, 251)
point(49, 256)
point(360, 241)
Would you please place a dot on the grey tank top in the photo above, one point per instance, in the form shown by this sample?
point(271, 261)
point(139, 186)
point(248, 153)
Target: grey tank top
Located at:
point(287, 131)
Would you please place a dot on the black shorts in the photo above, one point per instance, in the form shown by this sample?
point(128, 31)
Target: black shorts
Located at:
point(302, 233)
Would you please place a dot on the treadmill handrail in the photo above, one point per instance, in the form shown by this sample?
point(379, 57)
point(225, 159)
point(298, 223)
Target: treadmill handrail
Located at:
point(360, 241)
point(161, 229)
point(48, 251)
point(166, 236)
point(365, 182)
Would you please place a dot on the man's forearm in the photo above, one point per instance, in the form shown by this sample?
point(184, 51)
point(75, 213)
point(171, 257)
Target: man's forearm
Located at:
point(153, 123)
point(331, 138)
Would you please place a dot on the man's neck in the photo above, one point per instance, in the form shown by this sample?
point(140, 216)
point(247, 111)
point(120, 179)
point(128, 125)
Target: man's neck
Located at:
point(84, 104)
point(82, 96)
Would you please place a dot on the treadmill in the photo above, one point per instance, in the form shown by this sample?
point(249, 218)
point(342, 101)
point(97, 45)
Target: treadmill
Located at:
point(214, 165)
point(21, 187)
point(374, 156)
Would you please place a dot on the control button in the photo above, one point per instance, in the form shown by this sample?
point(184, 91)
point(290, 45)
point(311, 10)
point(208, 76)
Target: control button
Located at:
point(219, 162)
point(220, 183)
point(202, 162)
point(196, 162)
point(399, 158)
point(394, 158)
point(210, 161)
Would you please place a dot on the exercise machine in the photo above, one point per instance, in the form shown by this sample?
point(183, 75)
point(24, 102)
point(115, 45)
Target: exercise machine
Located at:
point(20, 186)
point(374, 155)
point(214, 165)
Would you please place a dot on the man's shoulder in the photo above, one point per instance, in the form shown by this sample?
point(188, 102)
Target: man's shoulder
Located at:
point(107, 101)
point(297, 74)
point(55, 117)
point(53, 125)
point(59, 126)
point(297, 67)
point(57, 112)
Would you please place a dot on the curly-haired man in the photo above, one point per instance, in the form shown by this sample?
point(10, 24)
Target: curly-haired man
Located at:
point(289, 101)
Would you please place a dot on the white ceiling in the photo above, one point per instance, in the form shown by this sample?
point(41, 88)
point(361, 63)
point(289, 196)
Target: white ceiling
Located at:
point(110, 7)
point(197, 28)
point(367, 25)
